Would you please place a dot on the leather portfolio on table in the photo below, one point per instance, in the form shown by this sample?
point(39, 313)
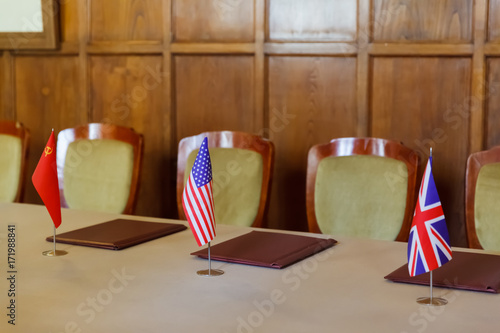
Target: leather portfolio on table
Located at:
point(267, 249)
point(466, 270)
point(117, 234)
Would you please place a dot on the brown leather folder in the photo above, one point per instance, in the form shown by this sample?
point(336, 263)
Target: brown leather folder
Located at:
point(117, 234)
point(267, 249)
point(468, 271)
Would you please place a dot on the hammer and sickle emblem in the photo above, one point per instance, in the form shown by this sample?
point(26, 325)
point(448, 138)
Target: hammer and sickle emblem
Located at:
point(48, 150)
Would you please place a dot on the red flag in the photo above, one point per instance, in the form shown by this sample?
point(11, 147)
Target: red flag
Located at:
point(46, 183)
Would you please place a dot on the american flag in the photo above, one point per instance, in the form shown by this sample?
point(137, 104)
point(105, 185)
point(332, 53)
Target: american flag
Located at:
point(197, 197)
point(429, 243)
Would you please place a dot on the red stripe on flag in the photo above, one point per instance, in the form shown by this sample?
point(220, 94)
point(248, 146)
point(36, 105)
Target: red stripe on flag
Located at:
point(194, 207)
point(414, 260)
point(192, 216)
point(440, 239)
point(205, 205)
point(202, 209)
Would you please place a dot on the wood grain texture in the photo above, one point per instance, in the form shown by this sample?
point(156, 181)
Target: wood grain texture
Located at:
point(425, 102)
point(478, 77)
point(213, 20)
point(119, 20)
point(214, 93)
point(3, 85)
point(47, 97)
point(422, 20)
point(7, 91)
point(494, 20)
point(127, 91)
point(312, 20)
point(70, 20)
point(311, 100)
point(492, 130)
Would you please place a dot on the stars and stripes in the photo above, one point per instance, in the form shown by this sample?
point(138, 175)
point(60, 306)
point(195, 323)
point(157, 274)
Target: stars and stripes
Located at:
point(197, 197)
point(429, 243)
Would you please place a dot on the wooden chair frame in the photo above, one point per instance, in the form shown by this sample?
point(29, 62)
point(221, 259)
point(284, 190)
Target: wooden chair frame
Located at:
point(363, 146)
point(102, 131)
point(17, 129)
point(230, 139)
point(474, 163)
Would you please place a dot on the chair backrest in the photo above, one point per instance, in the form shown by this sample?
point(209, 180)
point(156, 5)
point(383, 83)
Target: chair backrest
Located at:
point(14, 143)
point(361, 187)
point(242, 166)
point(99, 166)
point(482, 197)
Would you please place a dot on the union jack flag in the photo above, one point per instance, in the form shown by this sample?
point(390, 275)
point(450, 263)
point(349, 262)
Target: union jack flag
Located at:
point(197, 197)
point(429, 243)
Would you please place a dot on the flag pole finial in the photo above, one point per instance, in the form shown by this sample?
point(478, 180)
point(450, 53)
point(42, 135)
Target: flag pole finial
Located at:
point(430, 152)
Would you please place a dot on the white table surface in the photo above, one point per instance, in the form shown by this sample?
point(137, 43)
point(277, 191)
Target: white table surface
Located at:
point(153, 287)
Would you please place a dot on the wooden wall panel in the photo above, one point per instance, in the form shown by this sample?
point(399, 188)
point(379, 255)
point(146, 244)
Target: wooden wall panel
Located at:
point(3, 85)
point(422, 20)
point(213, 21)
point(68, 11)
point(127, 91)
point(311, 100)
point(493, 103)
point(312, 20)
point(425, 102)
point(47, 96)
point(494, 20)
point(126, 20)
point(214, 93)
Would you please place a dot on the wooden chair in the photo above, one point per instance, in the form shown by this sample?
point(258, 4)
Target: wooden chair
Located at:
point(242, 166)
point(14, 143)
point(99, 167)
point(482, 197)
point(361, 187)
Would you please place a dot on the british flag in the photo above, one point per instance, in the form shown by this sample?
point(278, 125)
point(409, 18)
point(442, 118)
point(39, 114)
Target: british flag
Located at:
point(429, 243)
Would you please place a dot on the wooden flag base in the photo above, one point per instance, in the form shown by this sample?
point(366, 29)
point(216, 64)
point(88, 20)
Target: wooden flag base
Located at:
point(55, 253)
point(210, 272)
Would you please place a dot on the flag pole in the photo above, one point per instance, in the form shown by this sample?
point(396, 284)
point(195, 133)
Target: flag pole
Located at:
point(438, 301)
point(54, 239)
point(209, 260)
point(210, 272)
point(54, 252)
point(430, 282)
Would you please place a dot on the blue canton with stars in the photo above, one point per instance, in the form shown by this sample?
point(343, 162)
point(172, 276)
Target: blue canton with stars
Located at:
point(202, 168)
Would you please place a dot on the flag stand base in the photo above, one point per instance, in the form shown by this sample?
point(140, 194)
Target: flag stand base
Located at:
point(434, 301)
point(55, 253)
point(211, 272)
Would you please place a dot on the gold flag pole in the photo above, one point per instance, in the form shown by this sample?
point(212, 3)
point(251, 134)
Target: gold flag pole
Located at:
point(54, 252)
point(210, 271)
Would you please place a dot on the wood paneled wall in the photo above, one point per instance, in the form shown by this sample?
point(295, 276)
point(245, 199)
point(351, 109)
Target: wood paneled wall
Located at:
point(424, 72)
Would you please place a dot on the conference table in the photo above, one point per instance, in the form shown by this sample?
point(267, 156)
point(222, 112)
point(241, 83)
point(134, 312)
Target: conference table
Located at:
point(153, 287)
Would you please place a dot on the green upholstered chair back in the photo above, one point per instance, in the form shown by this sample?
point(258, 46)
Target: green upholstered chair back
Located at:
point(354, 197)
point(237, 184)
point(241, 172)
point(14, 141)
point(98, 167)
point(10, 167)
point(361, 187)
point(482, 195)
point(487, 208)
point(100, 179)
